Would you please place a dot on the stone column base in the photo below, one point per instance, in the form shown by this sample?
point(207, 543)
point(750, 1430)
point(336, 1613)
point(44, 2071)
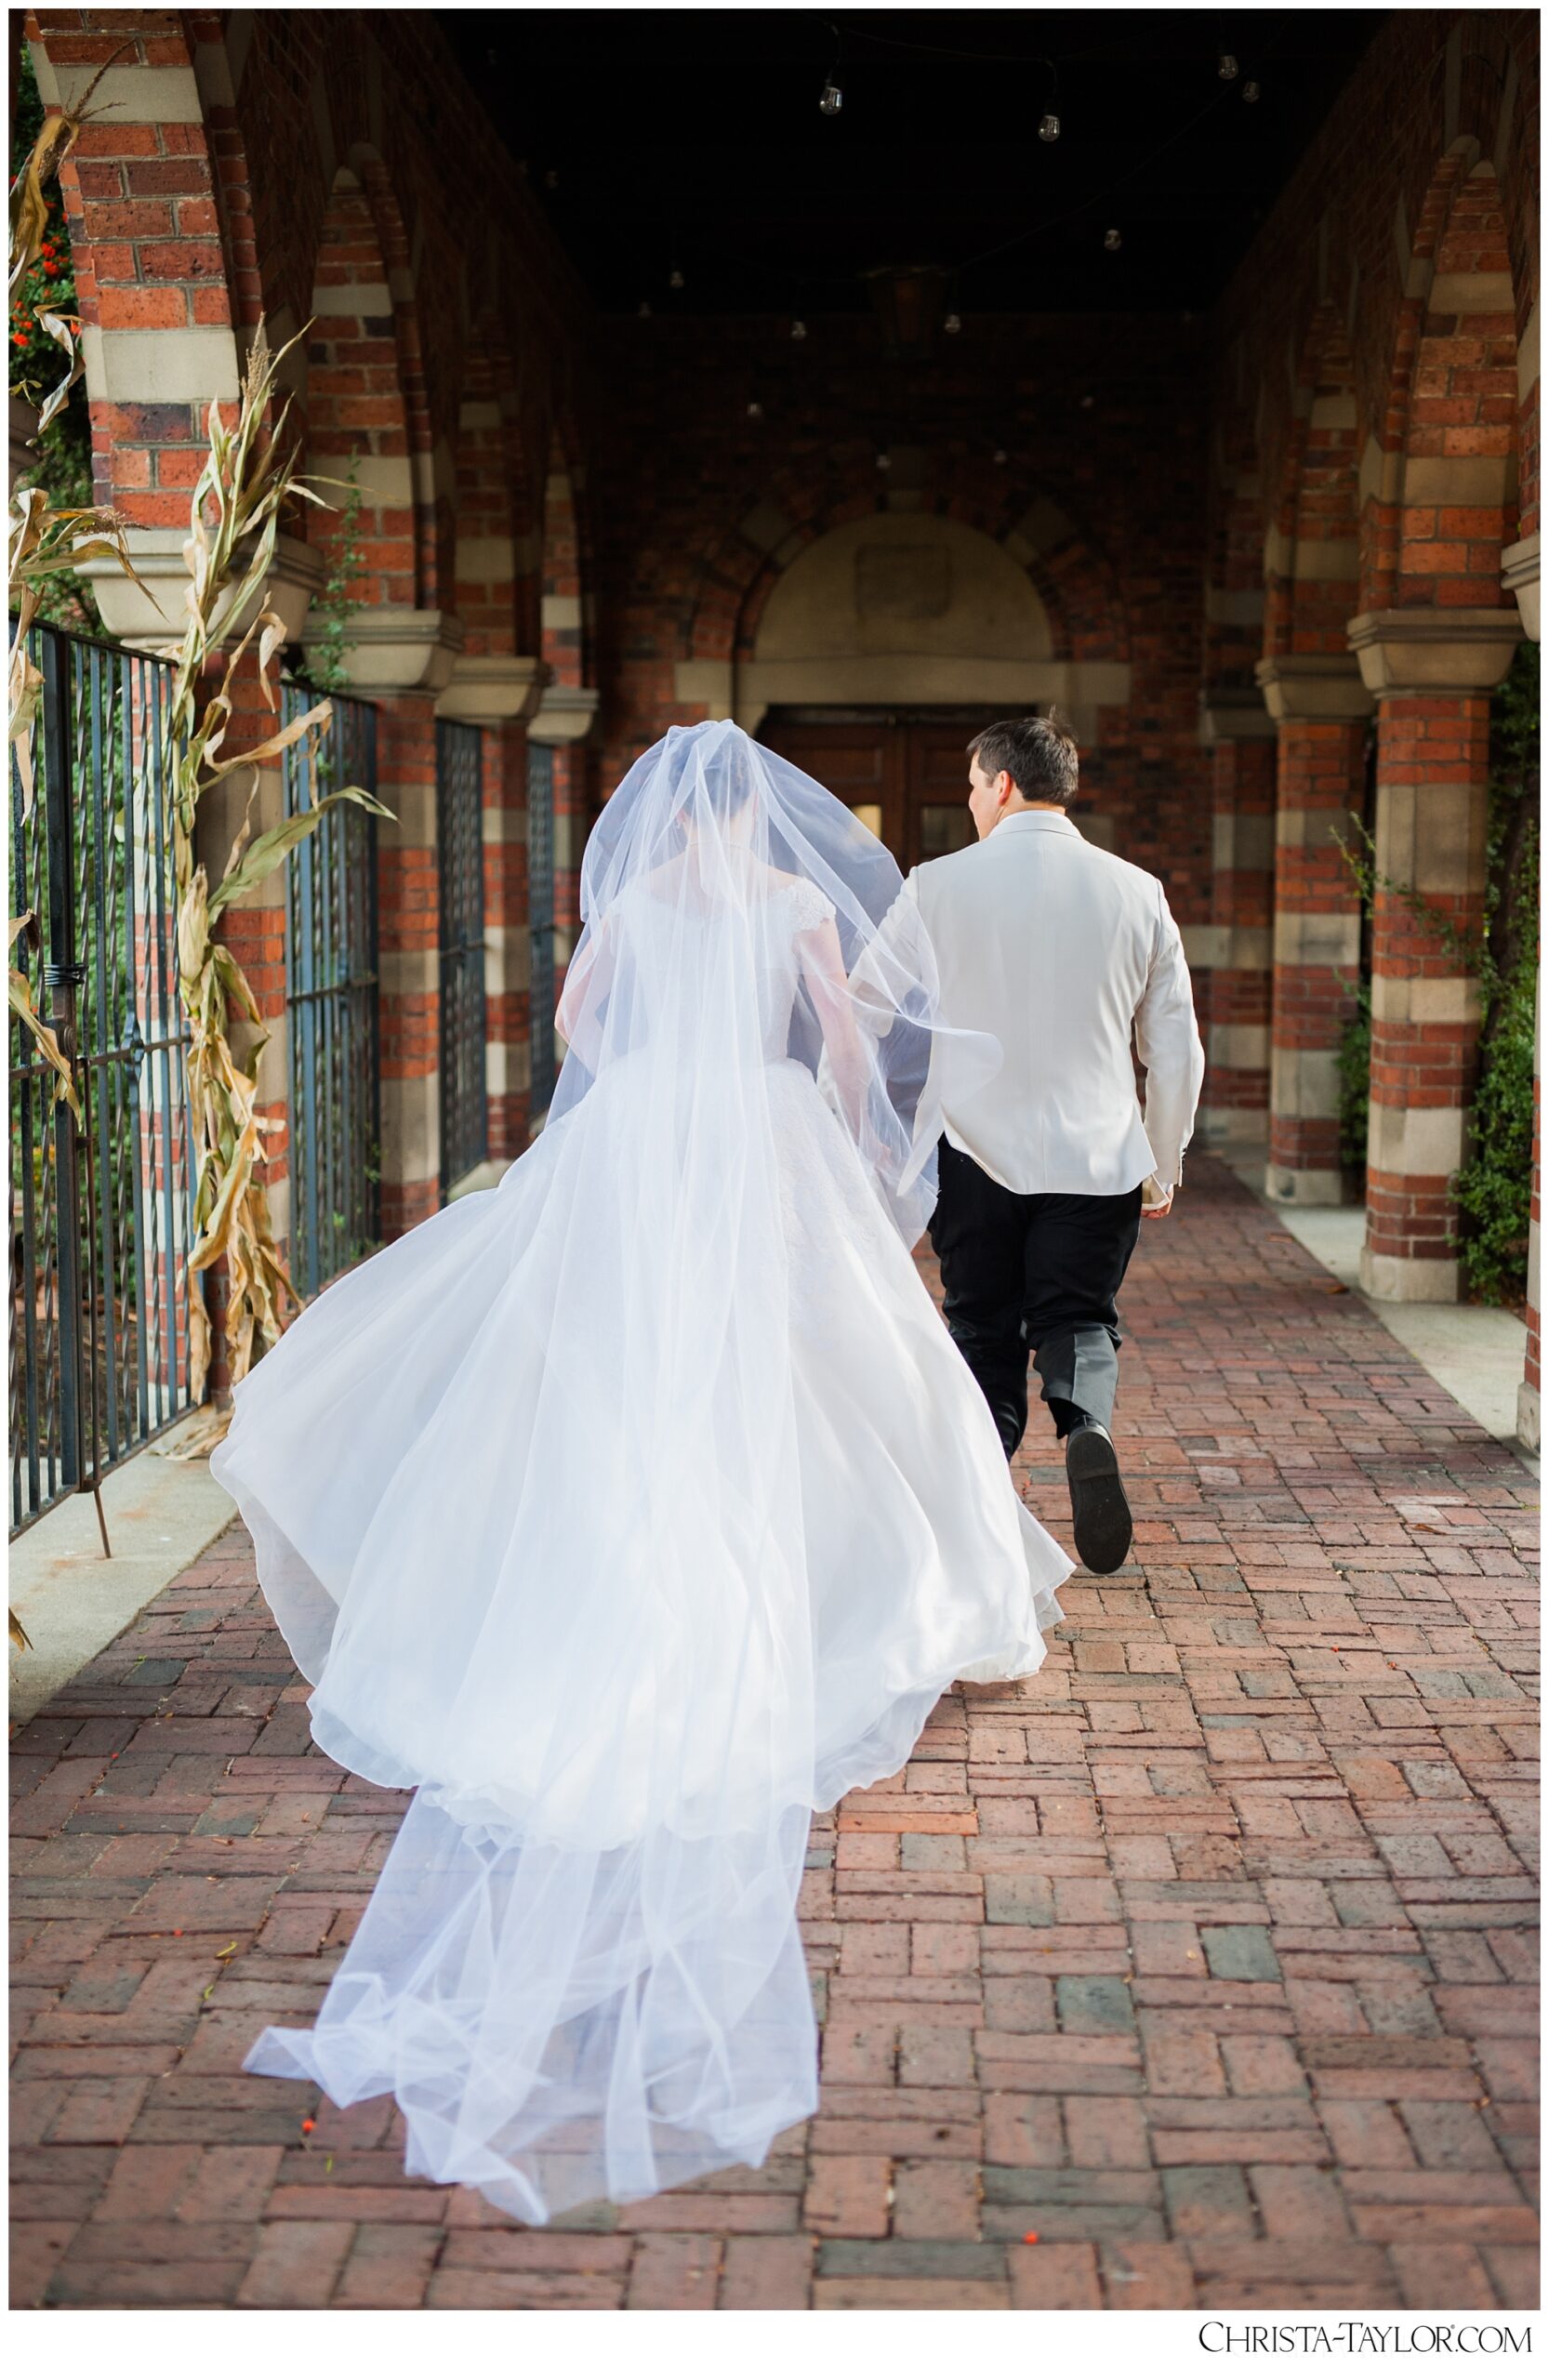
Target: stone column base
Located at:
point(1306, 1187)
point(1411, 1280)
point(1528, 1428)
point(1240, 1129)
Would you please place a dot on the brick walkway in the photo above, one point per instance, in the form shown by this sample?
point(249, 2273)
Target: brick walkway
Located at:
point(1198, 1970)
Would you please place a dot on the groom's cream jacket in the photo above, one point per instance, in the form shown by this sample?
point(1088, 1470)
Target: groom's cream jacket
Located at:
point(1063, 952)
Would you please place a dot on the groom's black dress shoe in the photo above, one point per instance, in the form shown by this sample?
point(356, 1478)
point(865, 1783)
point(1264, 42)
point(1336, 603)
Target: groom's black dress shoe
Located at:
point(1099, 1508)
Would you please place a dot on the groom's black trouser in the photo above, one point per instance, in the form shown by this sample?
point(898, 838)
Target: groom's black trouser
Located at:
point(1038, 1272)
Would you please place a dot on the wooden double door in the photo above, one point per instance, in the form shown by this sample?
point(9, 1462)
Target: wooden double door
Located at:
point(905, 773)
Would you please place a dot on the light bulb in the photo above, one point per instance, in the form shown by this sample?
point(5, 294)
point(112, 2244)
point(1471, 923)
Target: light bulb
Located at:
point(1226, 67)
point(1250, 92)
point(755, 411)
point(1048, 127)
point(799, 328)
point(551, 179)
point(1087, 404)
point(1113, 240)
point(832, 99)
point(675, 278)
point(884, 461)
point(999, 456)
point(952, 325)
point(643, 310)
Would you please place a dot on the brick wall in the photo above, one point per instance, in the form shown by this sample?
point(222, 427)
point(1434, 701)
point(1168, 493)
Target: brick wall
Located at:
point(1117, 559)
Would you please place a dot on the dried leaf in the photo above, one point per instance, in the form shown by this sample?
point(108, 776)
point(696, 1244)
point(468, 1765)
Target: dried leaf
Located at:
point(271, 848)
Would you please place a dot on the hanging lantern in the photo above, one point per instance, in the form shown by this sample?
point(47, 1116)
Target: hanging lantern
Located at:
point(1048, 127)
point(1226, 67)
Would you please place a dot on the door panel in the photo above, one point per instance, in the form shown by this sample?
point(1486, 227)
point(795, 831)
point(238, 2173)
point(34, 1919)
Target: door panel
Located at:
point(905, 778)
point(861, 764)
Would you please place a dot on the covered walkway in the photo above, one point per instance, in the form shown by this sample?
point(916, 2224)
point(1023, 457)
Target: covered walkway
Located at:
point(1197, 1970)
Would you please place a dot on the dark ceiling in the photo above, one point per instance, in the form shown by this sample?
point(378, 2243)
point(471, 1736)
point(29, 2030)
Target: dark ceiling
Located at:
point(693, 140)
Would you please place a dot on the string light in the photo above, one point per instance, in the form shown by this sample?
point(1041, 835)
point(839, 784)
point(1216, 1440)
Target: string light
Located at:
point(1251, 92)
point(755, 411)
point(1227, 67)
point(1113, 240)
point(1087, 404)
point(952, 325)
point(675, 278)
point(884, 460)
point(643, 310)
point(999, 456)
point(551, 179)
point(799, 328)
point(1048, 127)
point(832, 97)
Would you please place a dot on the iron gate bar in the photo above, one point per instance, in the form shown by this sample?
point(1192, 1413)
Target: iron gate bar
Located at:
point(100, 1336)
point(459, 850)
point(540, 913)
point(331, 990)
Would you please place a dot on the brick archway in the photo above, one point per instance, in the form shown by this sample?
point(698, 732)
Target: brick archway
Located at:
point(1438, 634)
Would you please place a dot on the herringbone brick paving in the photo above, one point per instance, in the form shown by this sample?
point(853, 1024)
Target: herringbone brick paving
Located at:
point(1198, 1970)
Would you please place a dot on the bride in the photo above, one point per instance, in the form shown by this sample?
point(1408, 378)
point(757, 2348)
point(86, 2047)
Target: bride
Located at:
point(634, 1511)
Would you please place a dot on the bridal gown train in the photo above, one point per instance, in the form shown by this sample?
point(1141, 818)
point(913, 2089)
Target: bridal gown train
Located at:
point(629, 1513)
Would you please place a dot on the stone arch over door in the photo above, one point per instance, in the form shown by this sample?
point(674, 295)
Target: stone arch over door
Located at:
point(899, 609)
point(904, 608)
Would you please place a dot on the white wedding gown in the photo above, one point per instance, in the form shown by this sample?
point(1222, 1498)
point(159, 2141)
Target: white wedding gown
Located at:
point(630, 1513)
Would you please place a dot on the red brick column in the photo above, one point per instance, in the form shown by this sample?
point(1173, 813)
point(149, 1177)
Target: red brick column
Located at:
point(1432, 669)
point(409, 942)
point(1433, 775)
point(1319, 705)
point(1235, 1111)
point(508, 1051)
point(1529, 1424)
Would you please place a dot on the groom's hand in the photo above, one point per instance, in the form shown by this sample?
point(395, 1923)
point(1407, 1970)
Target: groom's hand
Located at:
point(1155, 1202)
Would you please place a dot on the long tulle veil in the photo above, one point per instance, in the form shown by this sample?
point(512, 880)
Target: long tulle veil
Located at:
point(531, 1506)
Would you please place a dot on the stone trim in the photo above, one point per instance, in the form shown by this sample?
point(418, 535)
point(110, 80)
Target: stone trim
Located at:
point(1519, 577)
point(1432, 651)
point(1313, 689)
point(487, 689)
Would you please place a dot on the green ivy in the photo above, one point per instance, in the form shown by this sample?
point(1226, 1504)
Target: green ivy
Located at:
point(62, 462)
point(332, 610)
point(1494, 1185)
point(1355, 1078)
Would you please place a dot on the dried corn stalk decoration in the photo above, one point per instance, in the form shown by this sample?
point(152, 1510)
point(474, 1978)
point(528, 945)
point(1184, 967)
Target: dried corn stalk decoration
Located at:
point(233, 523)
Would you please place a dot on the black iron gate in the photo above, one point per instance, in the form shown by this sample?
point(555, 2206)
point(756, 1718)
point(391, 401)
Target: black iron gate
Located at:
point(331, 1001)
point(540, 916)
point(101, 1211)
point(460, 850)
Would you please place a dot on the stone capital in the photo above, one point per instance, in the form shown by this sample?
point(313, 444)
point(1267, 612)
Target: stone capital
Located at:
point(151, 617)
point(565, 715)
point(1519, 577)
point(1307, 689)
point(389, 649)
point(1428, 650)
point(489, 689)
point(1232, 714)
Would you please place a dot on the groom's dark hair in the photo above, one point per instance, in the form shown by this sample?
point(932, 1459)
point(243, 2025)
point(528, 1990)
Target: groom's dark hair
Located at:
point(1036, 754)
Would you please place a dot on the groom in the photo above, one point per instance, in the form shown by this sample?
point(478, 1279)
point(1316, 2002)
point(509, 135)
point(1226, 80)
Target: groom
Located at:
point(1069, 957)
